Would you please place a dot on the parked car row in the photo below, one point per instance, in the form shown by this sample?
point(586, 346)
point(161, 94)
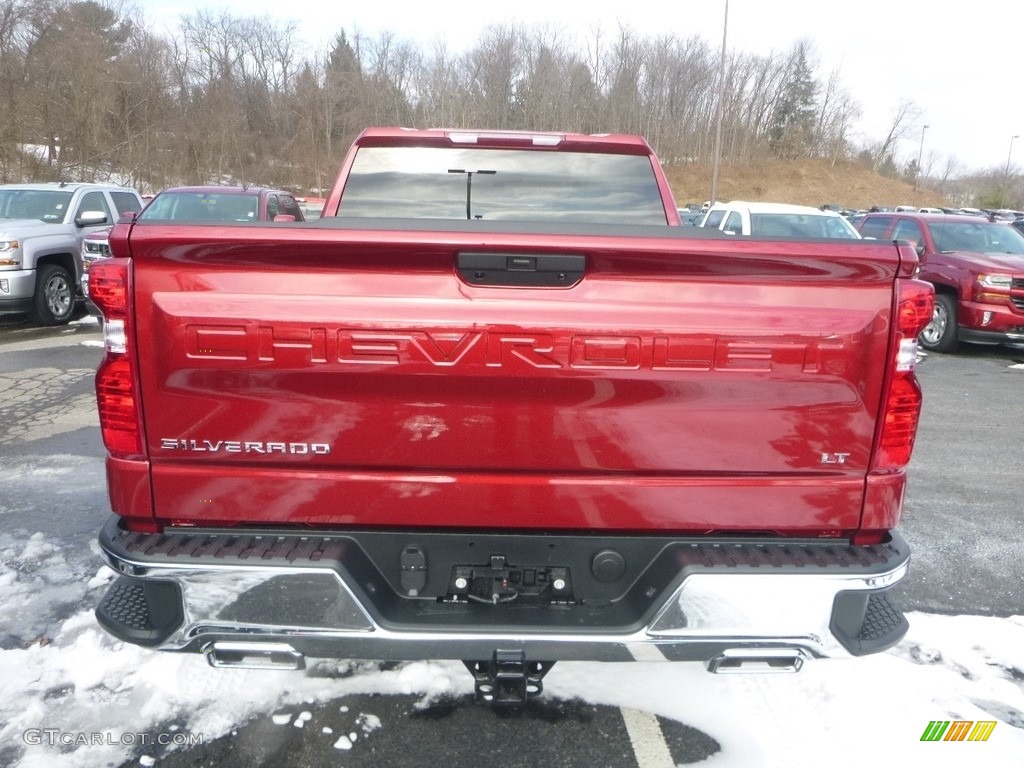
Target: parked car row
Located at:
point(995, 214)
point(974, 258)
point(197, 204)
point(50, 234)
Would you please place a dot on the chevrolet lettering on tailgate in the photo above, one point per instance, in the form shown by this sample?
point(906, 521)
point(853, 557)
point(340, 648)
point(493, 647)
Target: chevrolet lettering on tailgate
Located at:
point(446, 349)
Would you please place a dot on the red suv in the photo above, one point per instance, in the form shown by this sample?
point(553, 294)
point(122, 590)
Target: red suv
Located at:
point(977, 268)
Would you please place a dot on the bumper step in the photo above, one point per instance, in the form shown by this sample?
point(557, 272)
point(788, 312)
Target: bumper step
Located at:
point(768, 603)
point(142, 612)
point(868, 622)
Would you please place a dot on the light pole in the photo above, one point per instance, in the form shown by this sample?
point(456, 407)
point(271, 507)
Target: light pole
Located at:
point(719, 110)
point(920, 154)
point(1006, 174)
point(469, 186)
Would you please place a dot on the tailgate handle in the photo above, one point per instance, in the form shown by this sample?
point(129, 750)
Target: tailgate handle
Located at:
point(535, 270)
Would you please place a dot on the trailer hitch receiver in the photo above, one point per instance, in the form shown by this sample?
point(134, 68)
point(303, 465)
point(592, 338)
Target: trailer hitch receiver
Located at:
point(508, 678)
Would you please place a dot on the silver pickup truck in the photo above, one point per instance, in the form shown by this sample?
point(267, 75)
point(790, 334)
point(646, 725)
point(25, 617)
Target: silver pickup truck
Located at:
point(41, 231)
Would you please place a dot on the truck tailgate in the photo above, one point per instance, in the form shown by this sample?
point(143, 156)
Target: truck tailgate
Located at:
point(347, 377)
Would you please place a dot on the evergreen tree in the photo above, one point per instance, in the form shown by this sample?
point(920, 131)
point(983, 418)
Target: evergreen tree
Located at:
point(791, 132)
point(344, 84)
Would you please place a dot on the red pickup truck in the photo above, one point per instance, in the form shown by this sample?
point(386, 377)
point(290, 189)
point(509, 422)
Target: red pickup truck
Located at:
point(976, 267)
point(496, 406)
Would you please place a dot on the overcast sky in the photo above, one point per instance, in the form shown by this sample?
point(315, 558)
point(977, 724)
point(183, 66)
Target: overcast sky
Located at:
point(959, 63)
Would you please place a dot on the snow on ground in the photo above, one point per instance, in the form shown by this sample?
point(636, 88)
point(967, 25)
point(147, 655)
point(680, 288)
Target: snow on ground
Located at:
point(106, 698)
point(41, 152)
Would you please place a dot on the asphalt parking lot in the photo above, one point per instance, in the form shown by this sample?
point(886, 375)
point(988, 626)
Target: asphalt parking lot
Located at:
point(964, 510)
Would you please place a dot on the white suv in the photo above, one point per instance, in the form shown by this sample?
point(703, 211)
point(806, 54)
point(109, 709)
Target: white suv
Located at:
point(777, 220)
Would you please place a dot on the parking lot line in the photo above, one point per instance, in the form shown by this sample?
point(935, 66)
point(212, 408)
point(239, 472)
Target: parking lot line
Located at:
point(648, 741)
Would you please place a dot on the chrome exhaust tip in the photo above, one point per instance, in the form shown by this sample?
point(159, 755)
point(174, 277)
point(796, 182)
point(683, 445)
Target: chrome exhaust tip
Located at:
point(253, 655)
point(757, 660)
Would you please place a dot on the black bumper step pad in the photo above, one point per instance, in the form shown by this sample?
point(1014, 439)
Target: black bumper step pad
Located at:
point(867, 622)
point(141, 612)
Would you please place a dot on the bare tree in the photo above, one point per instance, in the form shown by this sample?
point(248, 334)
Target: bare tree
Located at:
point(625, 67)
point(142, 107)
point(904, 118)
point(836, 115)
point(951, 169)
point(14, 129)
point(440, 89)
point(390, 75)
point(542, 99)
point(233, 98)
point(496, 66)
point(758, 80)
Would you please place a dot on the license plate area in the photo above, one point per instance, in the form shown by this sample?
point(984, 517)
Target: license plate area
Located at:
point(499, 582)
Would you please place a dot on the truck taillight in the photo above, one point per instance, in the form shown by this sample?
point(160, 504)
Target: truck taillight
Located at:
point(108, 287)
point(116, 383)
point(915, 303)
point(118, 408)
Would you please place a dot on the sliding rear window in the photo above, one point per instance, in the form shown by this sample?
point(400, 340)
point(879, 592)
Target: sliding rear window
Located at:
point(502, 184)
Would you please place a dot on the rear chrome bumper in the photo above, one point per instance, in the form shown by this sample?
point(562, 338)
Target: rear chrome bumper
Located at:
point(269, 599)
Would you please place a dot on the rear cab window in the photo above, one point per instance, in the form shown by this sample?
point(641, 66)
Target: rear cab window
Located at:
point(502, 184)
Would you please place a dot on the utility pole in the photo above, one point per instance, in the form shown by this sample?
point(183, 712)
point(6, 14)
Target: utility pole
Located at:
point(469, 186)
point(920, 154)
point(1006, 174)
point(719, 110)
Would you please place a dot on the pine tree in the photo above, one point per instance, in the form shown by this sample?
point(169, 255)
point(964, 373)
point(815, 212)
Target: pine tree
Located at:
point(792, 128)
